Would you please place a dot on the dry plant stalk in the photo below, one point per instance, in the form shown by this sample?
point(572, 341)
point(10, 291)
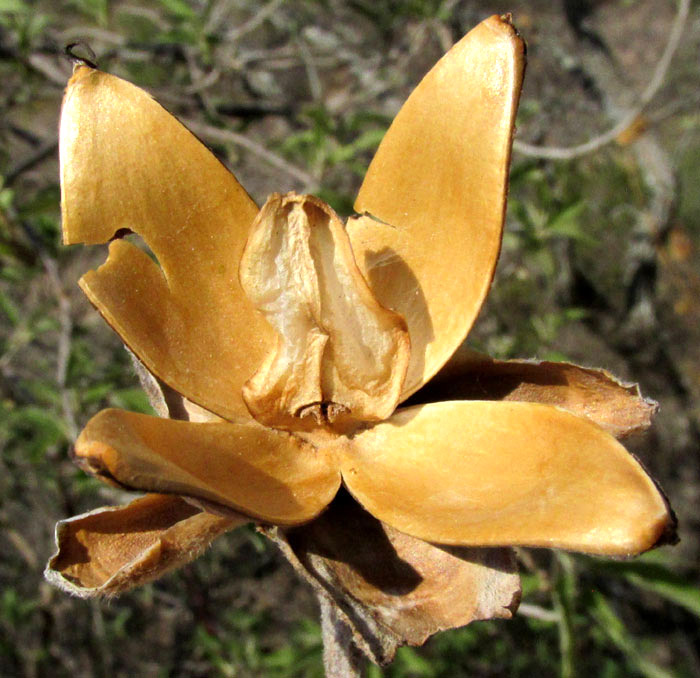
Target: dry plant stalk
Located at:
point(277, 346)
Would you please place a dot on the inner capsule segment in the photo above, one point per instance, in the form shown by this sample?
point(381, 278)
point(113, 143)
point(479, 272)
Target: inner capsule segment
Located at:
point(340, 356)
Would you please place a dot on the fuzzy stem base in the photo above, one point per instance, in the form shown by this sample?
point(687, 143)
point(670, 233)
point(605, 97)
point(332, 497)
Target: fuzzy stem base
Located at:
point(341, 657)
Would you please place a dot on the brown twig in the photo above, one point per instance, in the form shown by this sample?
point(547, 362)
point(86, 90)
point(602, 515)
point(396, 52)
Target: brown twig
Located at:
point(64, 342)
point(44, 151)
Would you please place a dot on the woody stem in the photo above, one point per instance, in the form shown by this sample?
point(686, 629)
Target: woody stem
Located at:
point(341, 657)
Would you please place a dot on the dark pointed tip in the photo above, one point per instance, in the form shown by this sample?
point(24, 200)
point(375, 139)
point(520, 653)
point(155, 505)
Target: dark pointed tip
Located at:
point(669, 536)
point(507, 19)
point(79, 59)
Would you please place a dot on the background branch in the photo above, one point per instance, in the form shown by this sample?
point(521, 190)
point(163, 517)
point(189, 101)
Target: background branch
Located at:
point(657, 79)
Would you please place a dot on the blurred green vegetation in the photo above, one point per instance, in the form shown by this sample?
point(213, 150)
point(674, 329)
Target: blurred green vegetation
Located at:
point(316, 84)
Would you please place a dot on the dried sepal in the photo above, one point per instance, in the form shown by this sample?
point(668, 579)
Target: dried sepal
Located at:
point(616, 406)
point(434, 195)
point(506, 473)
point(263, 473)
point(111, 550)
point(409, 588)
point(339, 355)
point(128, 165)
